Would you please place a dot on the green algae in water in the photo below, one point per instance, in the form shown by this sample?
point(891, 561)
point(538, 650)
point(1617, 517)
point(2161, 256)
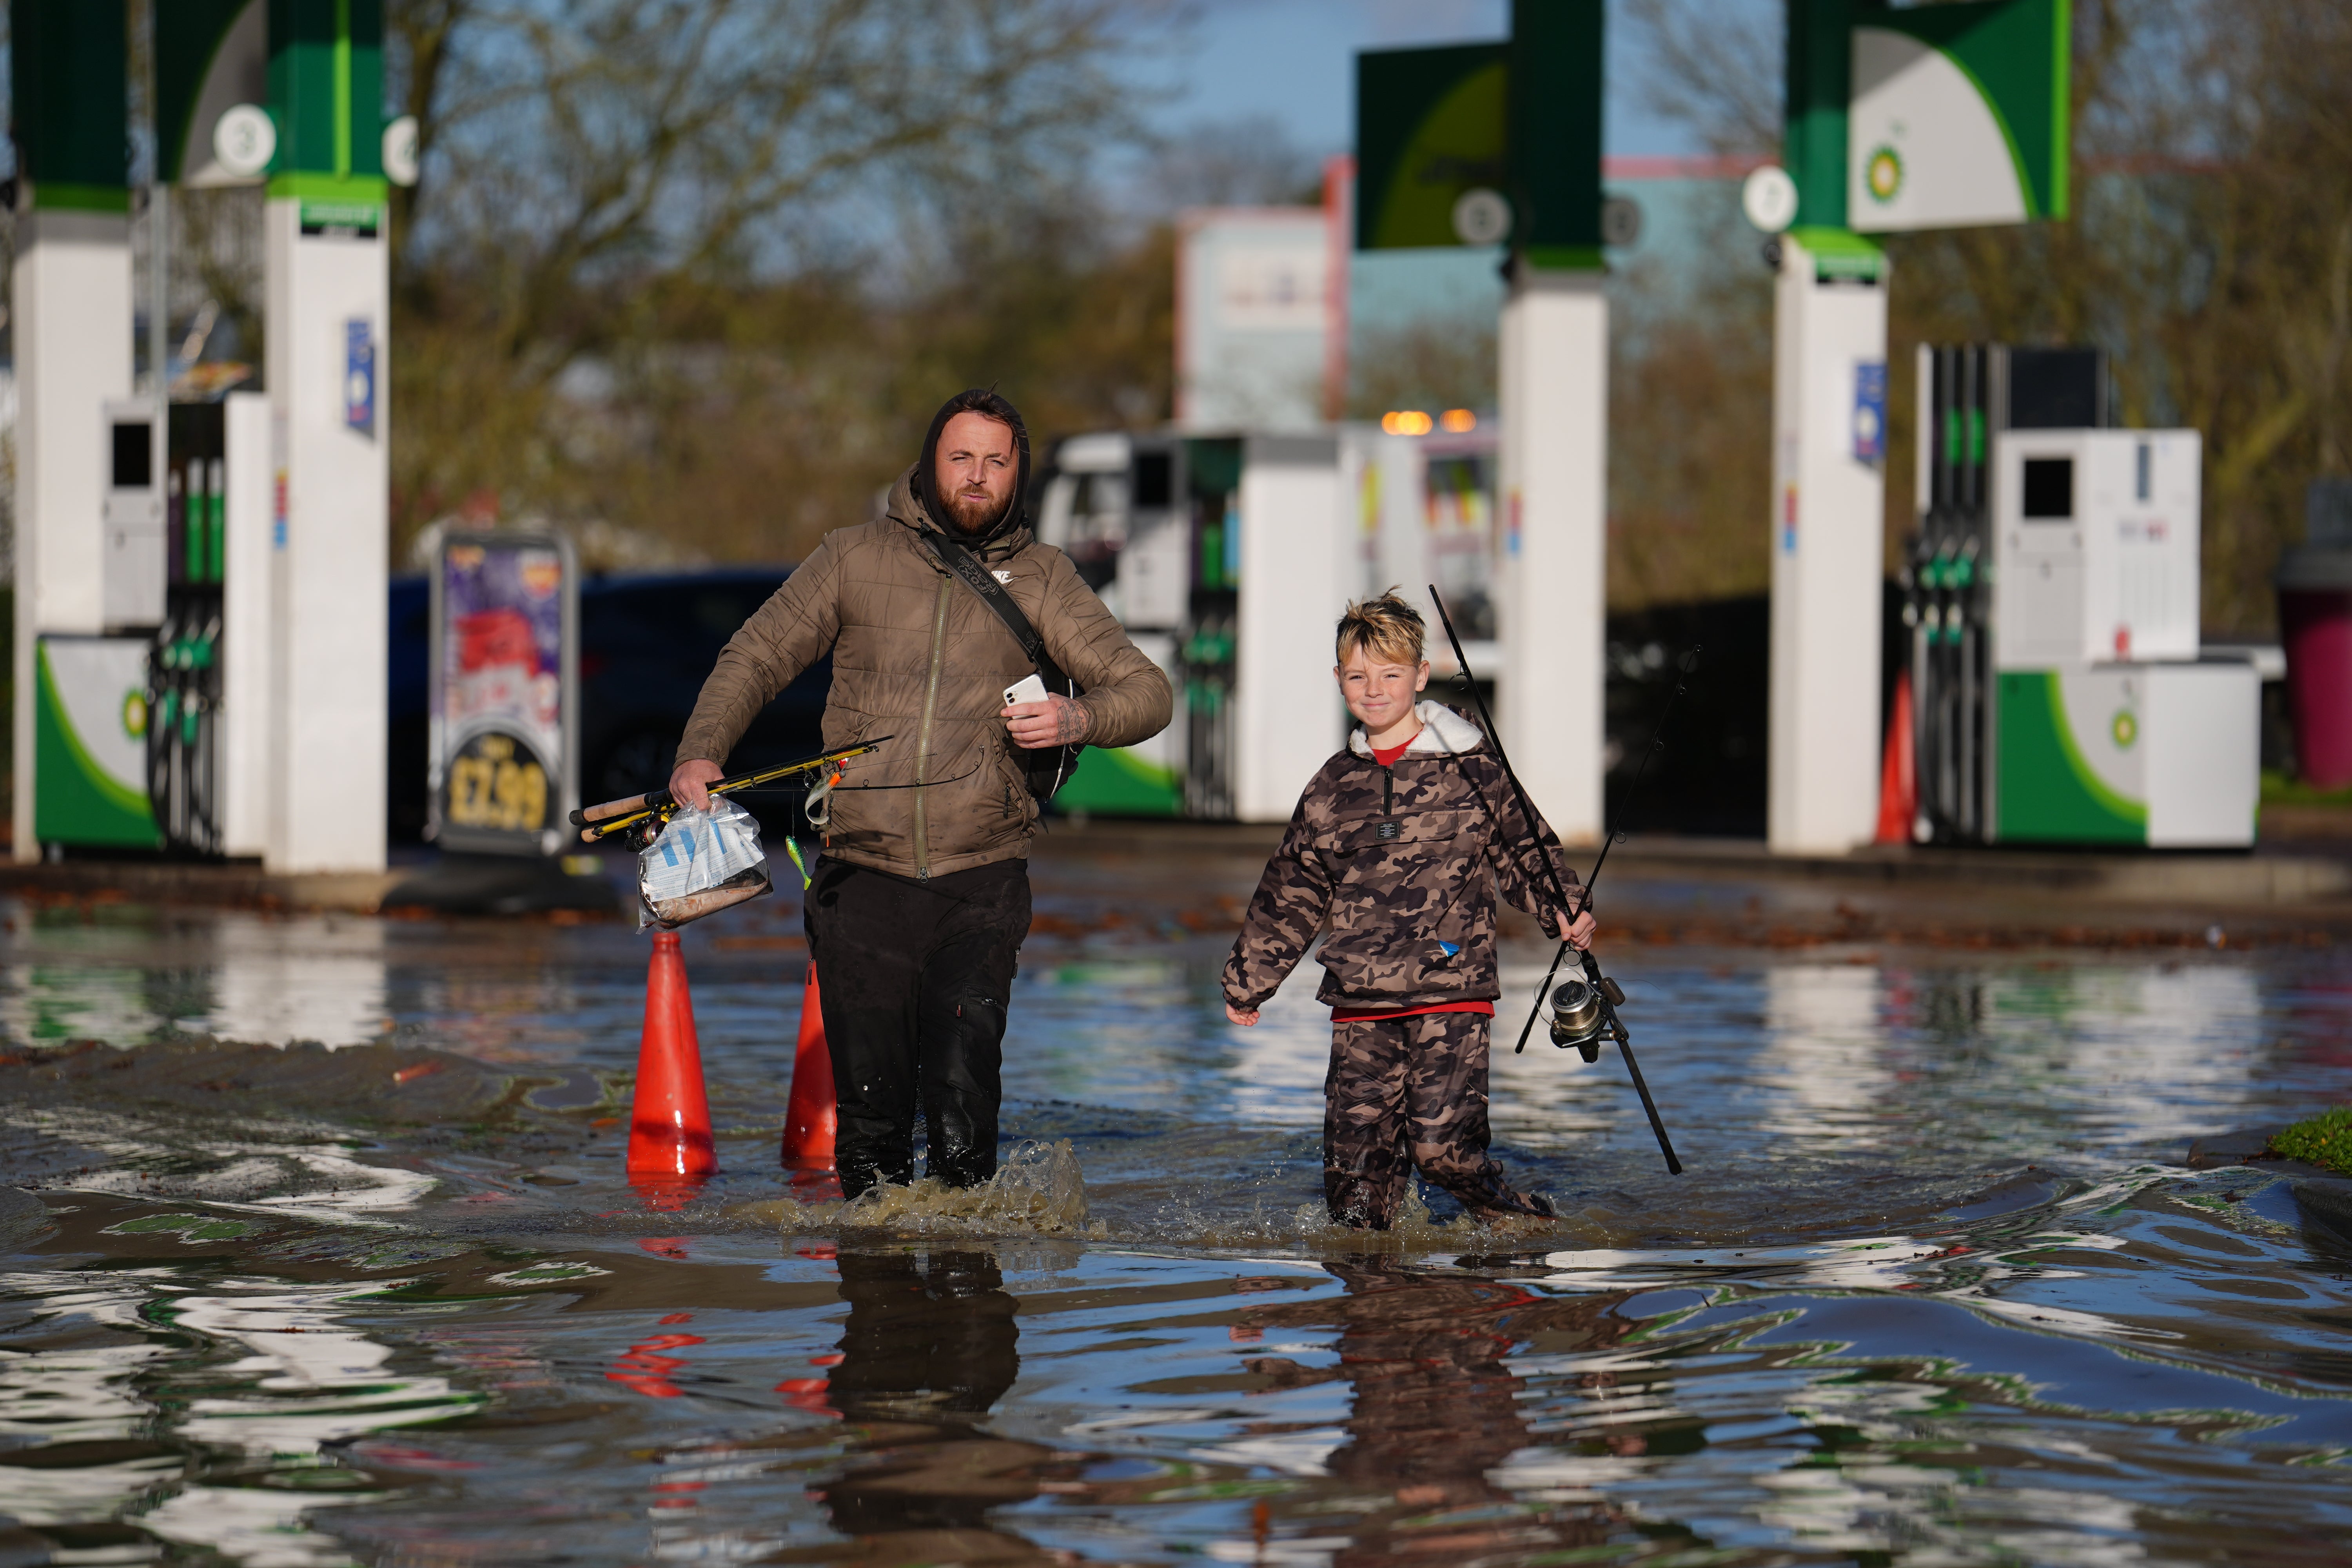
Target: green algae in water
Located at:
point(2326, 1140)
point(187, 1226)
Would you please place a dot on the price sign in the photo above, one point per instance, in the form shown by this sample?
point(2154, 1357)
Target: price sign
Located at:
point(504, 740)
point(497, 782)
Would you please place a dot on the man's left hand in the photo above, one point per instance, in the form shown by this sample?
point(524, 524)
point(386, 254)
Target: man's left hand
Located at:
point(1056, 721)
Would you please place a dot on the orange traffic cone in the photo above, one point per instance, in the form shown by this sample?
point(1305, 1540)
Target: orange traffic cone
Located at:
point(669, 1122)
point(1898, 788)
point(809, 1118)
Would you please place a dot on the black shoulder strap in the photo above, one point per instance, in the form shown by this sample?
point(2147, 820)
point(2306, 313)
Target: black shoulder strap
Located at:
point(981, 581)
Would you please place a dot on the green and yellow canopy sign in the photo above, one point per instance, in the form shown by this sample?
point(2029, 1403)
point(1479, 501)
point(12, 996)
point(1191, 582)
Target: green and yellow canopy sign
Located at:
point(1431, 130)
point(1959, 115)
point(71, 124)
point(1481, 144)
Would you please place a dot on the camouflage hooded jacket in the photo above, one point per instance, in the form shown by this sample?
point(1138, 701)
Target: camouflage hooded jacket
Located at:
point(1401, 866)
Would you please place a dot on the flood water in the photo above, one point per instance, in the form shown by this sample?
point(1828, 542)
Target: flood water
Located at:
point(1936, 1285)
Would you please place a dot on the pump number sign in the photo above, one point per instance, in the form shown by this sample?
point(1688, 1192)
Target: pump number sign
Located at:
point(504, 724)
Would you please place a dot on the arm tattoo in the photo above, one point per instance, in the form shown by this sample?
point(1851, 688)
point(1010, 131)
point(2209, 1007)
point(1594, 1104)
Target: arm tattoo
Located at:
point(1071, 722)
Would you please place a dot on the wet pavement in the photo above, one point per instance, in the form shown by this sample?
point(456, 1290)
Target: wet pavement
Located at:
point(1939, 1286)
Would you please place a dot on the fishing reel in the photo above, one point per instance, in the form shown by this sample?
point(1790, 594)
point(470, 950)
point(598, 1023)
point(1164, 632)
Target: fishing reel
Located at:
point(1578, 1012)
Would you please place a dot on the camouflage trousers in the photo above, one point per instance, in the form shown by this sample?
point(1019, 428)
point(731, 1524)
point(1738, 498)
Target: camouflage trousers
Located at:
point(1406, 1094)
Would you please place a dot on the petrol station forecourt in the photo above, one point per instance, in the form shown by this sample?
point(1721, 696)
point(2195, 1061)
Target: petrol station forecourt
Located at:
point(430, 1131)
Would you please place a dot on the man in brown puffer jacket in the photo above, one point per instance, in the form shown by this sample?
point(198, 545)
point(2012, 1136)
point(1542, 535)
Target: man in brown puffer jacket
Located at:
point(920, 900)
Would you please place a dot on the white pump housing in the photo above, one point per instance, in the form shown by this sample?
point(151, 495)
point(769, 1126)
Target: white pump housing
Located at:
point(2094, 546)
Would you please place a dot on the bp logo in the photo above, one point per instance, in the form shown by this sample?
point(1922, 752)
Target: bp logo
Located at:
point(1884, 175)
point(134, 713)
point(2124, 729)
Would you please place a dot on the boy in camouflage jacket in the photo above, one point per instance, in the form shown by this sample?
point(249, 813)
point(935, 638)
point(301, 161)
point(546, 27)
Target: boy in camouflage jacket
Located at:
point(1396, 851)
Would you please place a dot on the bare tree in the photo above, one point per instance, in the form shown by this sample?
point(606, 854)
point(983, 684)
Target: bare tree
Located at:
point(1247, 161)
point(1714, 67)
point(1436, 363)
point(1690, 389)
point(660, 247)
point(1690, 406)
point(567, 146)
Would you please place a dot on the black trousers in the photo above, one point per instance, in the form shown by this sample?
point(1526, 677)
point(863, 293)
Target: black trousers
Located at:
point(915, 977)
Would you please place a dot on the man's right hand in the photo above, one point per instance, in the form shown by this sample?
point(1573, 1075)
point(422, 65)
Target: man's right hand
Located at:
point(690, 784)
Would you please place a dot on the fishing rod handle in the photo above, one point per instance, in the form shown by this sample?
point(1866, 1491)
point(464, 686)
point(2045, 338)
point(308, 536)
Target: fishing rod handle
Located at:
point(597, 832)
point(637, 805)
point(652, 800)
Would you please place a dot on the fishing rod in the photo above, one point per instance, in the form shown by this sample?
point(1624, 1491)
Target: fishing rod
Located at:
point(1585, 1012)
point(1591, 1049)
point(655, 807)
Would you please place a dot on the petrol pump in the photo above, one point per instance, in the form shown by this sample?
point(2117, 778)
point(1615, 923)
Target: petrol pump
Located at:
point(1897, 119)
point(1229, 558)
point(2061, 695)
point(83, 469)
point(90, 711)
point(1967, 395)
point(1221, 555)
point(201, 586)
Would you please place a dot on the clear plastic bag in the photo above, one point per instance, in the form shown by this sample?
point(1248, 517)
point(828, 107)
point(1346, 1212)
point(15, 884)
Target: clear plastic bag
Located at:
point(703, 862)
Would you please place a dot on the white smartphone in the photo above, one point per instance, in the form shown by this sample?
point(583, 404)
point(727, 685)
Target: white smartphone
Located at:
point(1029, 688)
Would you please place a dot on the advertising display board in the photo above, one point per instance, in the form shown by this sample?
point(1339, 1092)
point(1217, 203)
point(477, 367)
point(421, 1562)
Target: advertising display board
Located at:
point(1254, 317)
point(504, 738)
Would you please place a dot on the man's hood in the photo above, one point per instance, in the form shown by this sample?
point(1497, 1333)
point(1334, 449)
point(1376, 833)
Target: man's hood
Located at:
point(1443, 734)
point(914, 488)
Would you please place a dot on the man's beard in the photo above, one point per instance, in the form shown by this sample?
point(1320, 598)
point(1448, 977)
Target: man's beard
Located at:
point(972, 514)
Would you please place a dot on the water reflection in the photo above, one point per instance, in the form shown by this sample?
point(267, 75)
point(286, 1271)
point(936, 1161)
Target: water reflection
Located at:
point(932, 1344)
point(2100, 1054)
point(1862, 1323)
point(1436, 1408)
point(71, 1420)
point(2162, 1348)
point(125, 977)
point(2184, 1039)
point(1824, 1073)
point(328, 985)
point(206, 1415)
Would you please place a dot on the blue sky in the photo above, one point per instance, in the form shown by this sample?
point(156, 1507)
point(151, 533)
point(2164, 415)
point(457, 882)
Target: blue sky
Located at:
point(1295, 60)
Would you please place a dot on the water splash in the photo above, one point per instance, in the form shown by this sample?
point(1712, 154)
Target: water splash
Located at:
point(1415, 1229)
point(1038, 1189)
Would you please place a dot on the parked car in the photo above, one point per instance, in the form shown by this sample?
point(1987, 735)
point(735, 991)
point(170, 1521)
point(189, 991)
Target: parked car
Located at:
point(647, 644)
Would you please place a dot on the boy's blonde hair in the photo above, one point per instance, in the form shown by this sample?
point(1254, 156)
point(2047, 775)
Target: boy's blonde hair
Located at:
point(1385, 627)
